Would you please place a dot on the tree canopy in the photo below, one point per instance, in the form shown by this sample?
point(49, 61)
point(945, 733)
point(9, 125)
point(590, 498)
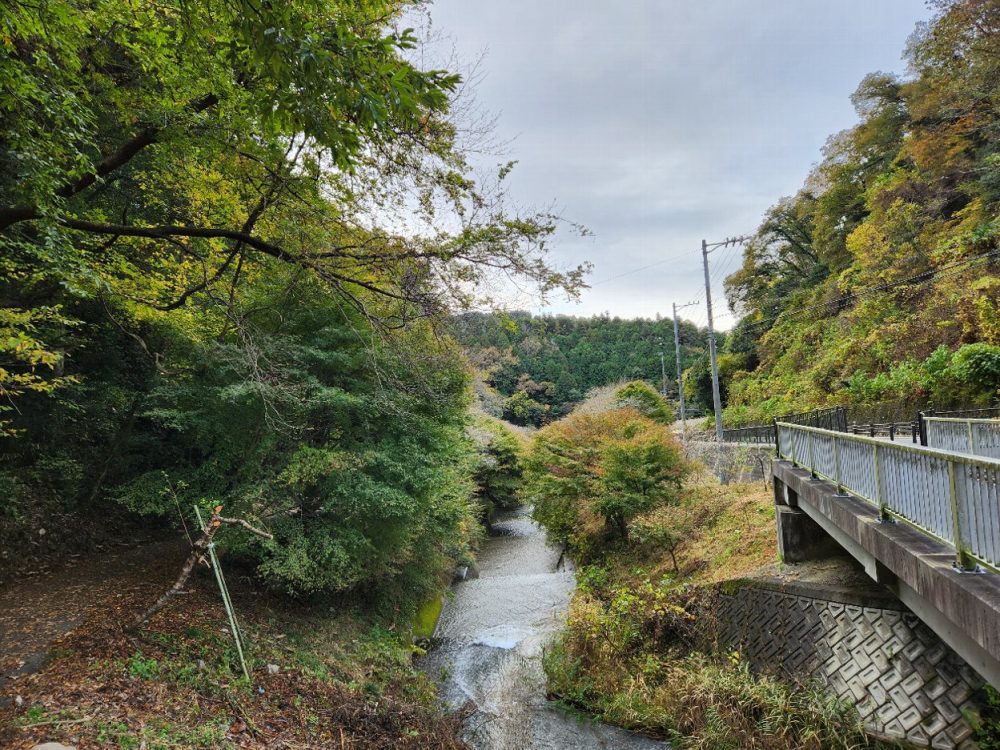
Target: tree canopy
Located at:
point(157, 152)
point(546, 364)
point(863, 285)
point(227, 232)
point(588, 475)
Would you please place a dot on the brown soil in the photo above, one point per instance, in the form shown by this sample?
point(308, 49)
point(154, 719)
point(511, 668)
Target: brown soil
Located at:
point(37, 610)
point(842, 572)
point(72, 675)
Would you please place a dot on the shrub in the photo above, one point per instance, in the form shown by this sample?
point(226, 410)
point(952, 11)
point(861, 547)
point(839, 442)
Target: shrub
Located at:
point(976, 367)
point(640, 396)
point(987, 733)
point(630, 656)
point(589, 475)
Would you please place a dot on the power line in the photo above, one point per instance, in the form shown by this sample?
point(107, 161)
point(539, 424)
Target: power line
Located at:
point(722, 266)
point(636, 270)
point(918, 279)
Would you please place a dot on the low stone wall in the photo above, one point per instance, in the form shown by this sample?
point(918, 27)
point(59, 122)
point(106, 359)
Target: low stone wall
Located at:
point(743, 462)
point(869, 649)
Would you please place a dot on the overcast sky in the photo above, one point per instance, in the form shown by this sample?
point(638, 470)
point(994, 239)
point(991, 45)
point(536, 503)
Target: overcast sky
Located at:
point(657, 123)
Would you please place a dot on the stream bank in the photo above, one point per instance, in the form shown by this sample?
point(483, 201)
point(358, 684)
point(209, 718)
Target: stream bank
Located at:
point(488, 646)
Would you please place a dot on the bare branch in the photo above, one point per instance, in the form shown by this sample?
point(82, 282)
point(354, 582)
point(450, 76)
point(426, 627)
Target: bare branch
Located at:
point(246, 525)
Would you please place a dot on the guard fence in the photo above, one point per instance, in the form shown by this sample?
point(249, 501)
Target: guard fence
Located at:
point(758, 435)
point(834, 418)
point(978, 437)
point(952, 497)
point(901, 419)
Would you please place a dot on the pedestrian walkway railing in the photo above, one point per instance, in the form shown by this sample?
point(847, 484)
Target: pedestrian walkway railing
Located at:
point(834, 418)
point(952, 497)
point(892, 430)
point(757, 435)
point(980, 437)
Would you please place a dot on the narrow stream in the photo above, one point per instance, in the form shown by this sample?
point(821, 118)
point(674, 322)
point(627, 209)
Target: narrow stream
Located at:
point(488, 646)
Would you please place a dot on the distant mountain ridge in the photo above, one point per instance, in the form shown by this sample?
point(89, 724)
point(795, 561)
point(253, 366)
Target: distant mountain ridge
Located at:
point(556, 359)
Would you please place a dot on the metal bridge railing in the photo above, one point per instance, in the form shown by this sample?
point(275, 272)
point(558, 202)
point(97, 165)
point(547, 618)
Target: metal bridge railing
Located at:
point(833, 418)
point(952, 497)
point(758, 434)
point(979, 437)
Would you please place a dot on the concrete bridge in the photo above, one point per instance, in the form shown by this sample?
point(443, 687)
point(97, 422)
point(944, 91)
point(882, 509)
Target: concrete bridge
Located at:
point(923, 522)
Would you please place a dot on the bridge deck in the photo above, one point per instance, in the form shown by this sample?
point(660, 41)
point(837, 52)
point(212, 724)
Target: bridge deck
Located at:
point(962, 608)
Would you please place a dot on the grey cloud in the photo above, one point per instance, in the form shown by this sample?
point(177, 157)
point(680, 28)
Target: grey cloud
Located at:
point(658, 122)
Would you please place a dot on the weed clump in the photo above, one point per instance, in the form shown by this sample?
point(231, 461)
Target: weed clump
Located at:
point(630, 656)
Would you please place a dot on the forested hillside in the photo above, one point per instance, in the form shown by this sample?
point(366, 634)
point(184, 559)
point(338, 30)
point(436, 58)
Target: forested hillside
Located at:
point(545, 364)
point(880, 278)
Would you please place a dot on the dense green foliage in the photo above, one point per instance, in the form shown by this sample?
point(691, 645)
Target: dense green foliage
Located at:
point(879, 279)
point(222, 243)
point(588, 475)
point(642, 397)
point(987, 733)
point(498, 470)
point(354, 459)
point(545, 364)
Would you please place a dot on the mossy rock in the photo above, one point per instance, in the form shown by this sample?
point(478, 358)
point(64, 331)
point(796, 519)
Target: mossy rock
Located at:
point(426, 619)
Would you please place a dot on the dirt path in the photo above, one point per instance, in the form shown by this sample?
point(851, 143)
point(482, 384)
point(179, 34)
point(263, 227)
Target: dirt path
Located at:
point(36, 611)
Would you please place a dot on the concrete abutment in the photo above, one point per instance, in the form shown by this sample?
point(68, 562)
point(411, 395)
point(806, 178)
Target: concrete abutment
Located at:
point(914, 658)
point(800, 538)
point(864, 646)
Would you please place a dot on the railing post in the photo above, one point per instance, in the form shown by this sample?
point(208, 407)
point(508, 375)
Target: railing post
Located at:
point(972, 440)
point(836, 465)
point(962, 559)
point(883, 509)
point(812, 462)
point(777, 438)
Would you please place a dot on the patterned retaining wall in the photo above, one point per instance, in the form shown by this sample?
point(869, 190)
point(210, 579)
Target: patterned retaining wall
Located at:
point(907, 684)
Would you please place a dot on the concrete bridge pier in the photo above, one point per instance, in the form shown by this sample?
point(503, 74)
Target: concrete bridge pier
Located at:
point(800, 538)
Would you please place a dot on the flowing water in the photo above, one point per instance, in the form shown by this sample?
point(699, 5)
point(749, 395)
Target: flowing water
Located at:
point(488, 646)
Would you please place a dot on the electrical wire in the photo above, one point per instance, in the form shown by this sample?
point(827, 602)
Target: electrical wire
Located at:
point(915, 280)
point(637, 270)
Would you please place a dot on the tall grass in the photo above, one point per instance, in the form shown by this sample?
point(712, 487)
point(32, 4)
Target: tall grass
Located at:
point(698, 701)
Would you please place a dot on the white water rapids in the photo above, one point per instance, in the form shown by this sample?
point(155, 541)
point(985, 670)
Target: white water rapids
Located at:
point(488, 647)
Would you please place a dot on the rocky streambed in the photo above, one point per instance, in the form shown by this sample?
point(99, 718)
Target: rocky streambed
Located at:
point(487, 647)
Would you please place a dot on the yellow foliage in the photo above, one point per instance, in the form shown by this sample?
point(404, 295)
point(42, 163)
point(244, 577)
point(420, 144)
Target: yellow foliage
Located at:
point(987, 306)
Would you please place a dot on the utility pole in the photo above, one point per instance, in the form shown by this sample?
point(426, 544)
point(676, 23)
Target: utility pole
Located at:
point(716, 398)
point(706, 248)
point(663, 371)
point(677, 353)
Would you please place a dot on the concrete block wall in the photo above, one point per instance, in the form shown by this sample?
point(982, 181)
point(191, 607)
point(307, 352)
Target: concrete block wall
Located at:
point(906, 683)
point(742, 462)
